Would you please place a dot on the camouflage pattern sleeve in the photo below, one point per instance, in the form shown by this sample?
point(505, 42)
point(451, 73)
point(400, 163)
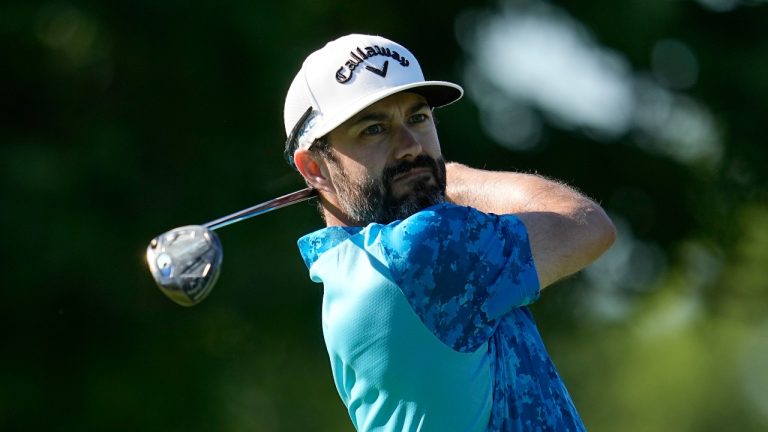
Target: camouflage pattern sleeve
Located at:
point(462, 270)
point(317, 243)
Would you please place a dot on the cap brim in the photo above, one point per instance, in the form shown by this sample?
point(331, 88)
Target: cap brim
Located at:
point(437, 94)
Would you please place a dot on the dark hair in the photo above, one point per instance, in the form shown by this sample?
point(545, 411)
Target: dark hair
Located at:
point(322, 148)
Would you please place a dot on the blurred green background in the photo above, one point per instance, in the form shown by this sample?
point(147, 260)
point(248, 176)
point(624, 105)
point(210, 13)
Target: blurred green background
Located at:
point(120, 120)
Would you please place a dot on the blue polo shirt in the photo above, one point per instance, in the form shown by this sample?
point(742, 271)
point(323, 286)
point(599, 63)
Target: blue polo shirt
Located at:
point(426, 327)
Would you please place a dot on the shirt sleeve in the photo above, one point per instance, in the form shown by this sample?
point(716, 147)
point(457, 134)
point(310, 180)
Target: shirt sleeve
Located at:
point(462, 270)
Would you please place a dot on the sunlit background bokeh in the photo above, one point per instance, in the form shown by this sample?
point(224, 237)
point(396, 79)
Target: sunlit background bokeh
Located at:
point(121, 121)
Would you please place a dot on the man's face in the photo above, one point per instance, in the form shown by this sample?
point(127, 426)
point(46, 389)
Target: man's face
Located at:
point(386, 162)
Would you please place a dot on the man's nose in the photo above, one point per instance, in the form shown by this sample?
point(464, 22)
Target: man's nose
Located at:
point(407, 144)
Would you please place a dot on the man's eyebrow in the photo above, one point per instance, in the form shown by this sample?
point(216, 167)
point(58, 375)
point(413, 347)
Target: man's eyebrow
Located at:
point(371, 116)
point(418, 106)
point(375, 116)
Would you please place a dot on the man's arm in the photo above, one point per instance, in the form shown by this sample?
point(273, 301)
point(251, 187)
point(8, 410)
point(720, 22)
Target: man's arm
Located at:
point(566, 230)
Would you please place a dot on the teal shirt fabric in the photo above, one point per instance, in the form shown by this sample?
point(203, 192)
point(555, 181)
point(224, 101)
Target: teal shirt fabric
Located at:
point(426, 326)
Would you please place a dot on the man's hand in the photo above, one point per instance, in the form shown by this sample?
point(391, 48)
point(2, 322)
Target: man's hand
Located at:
point(567, 231)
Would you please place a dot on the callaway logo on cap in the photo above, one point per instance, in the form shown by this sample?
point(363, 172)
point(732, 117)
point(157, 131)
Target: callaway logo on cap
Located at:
point(346, 76)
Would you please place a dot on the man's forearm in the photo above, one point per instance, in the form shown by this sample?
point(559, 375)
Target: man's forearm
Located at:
point(567, 230)
point(509, 192)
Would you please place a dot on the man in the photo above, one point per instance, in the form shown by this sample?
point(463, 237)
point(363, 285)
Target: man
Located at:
point(427, 267)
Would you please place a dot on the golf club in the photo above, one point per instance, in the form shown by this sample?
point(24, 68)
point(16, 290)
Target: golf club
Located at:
point(186, 261)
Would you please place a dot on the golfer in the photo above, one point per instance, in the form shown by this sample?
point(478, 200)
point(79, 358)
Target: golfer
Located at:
point(428, 267)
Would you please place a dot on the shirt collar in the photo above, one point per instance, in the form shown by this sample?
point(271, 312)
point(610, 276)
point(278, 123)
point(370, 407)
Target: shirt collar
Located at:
point(314, 244)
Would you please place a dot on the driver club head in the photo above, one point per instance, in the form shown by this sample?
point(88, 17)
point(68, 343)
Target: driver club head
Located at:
point(185, 263)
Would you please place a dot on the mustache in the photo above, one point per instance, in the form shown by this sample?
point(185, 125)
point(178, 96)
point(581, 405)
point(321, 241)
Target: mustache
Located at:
point(420, 161)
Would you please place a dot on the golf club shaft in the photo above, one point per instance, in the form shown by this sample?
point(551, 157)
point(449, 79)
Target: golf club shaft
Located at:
point(273, 204)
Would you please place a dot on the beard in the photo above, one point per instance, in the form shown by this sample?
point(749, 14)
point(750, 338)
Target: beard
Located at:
point(371, 199)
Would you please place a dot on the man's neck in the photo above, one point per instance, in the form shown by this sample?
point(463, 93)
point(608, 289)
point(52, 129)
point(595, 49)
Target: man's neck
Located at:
point(333, 215)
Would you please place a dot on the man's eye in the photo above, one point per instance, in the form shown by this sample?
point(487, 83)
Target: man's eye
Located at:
point(373, 129)
point(418, 118)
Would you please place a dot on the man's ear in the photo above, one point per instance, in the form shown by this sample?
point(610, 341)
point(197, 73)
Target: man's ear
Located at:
point(314, 170)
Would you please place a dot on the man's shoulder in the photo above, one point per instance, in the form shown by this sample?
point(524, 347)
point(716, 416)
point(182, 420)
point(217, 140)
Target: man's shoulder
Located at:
point(440, 221)
point(449, 222)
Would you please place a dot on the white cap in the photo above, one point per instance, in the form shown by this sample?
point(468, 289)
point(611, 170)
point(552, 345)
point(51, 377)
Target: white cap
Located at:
point(351, 73)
